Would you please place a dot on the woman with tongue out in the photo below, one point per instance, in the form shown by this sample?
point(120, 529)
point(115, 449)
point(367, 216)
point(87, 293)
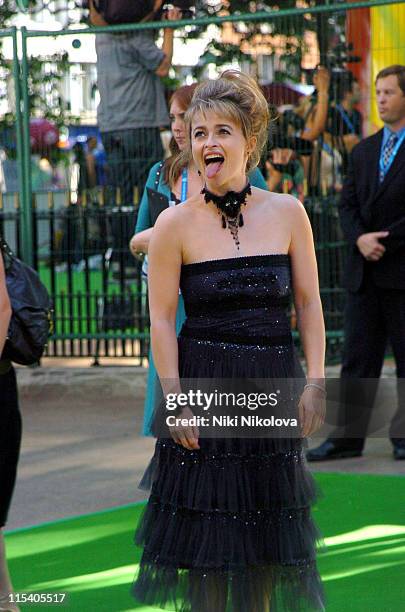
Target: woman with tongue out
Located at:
point(228, 525)
point(183, 183)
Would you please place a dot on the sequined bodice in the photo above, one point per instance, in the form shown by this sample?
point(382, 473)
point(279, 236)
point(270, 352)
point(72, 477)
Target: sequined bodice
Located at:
point(243, 299)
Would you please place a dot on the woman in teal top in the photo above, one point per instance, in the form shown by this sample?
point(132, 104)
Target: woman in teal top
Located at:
point(185, 185)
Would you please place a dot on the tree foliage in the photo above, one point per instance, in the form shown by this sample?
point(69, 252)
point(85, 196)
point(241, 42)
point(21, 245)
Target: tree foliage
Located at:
point(248, 34)
point(282, 37)
point(45, 75)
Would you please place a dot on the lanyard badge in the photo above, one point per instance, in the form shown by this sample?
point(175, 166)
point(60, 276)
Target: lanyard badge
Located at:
point(184, 185)
point(346, 118)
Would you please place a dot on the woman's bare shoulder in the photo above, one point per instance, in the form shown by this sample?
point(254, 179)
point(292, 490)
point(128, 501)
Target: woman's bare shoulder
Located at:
point(278, 201)
point(186, 210)
point(175, 218)
point(191, 203)
point(174, 214)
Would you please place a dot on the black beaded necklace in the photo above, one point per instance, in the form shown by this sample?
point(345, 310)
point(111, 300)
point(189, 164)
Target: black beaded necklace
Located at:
point(229, 206)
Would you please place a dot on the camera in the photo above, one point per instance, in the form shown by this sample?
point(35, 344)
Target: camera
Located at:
point(341, 55)
point(336, 60)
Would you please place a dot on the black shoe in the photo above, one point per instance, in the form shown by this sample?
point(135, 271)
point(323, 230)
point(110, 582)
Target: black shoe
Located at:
point(399, 452)
point(331, 450)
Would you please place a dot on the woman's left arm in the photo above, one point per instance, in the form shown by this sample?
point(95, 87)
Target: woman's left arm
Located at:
point(310, 320)
point(307, 298)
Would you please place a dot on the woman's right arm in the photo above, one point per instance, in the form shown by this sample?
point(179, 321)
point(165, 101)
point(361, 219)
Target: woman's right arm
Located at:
point(5, 307)
point(165, 259)
point(164, 279)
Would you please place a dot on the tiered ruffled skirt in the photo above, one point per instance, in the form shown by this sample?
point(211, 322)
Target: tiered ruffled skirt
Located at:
point(228, 527)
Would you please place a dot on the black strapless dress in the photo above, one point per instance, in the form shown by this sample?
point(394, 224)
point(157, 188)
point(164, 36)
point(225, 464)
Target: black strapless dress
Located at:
point(228, 526)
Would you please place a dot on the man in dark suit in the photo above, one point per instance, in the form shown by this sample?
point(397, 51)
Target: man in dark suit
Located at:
point(372, 215)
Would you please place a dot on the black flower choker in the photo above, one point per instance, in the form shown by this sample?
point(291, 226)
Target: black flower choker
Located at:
point(229, 205)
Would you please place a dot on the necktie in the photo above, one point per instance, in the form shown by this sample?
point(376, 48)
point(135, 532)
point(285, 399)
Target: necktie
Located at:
point(387, 152)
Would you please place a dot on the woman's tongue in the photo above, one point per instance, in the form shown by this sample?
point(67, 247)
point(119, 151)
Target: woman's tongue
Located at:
point(213, 168)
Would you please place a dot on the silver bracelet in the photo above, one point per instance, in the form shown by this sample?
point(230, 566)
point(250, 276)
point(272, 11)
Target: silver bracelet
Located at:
point(319, 387)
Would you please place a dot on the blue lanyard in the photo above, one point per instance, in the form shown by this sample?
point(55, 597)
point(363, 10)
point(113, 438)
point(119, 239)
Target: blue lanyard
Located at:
point(184, 185)
point(384, 169)
point(327, 148)
point(346, 118)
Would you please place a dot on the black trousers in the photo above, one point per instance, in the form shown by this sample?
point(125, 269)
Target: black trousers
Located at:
point(10, 440)
point(374, 316)
point(130, 156)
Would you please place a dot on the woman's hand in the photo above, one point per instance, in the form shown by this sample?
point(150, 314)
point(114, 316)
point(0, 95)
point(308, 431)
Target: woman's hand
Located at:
point(185, 434)
point(312, 409)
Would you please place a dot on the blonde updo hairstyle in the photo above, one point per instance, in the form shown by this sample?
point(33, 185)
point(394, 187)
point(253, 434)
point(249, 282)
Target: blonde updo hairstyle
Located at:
point(238, 97)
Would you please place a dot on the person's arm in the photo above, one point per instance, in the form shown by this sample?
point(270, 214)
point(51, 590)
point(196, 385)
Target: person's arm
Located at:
point(310, 322)
point(307, 299)
point(95, 17)
point(5, 307)
point(91, 170)
point(164, 278)
point(350, 141)
point(317, 120)
point(368, 243)
point(165, 259)
point(167, 46)
point(156, 7)
point(139, 242)
point(349, 207)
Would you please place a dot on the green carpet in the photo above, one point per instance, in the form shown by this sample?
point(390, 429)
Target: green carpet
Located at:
point(92, 558)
